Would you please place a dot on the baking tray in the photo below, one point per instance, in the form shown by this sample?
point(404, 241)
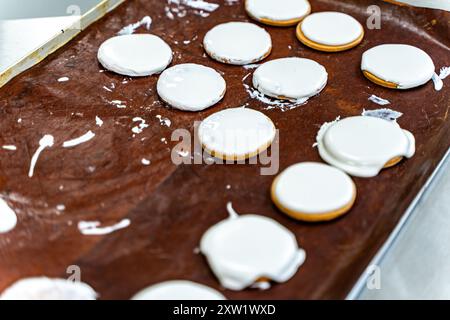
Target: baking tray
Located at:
point(169, 206)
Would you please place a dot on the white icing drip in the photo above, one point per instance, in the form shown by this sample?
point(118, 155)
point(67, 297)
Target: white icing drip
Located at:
point(130, 29)
point(83, 139)
point(119, 104)
point(437, 79)
point(164, 121)
point(9, 147)
point(233, 214)
point(145, 162)
point(323, 128)
point(283, 105)
point(98, 121)
point(42, 288)
point(385, 114)
point(378, 100)
point(140, 127)
point(47, 141)
point(63, 79)
point(92, 228)
point(8, 218)
point(178, 290)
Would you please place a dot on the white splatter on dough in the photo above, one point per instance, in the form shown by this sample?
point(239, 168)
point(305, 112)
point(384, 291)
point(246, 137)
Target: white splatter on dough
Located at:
point(84, 138)
point(63, 79)
point(130, 29)
point(145, 162)
point(98, 121)
point(9, 147)
point(140, 127)
point(164, 121)
point(92, 228)
point(47, 141)
point(378, 100)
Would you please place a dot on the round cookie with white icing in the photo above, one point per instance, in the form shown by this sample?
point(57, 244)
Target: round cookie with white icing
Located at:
point(178, 290)
point(330, 31)
point(280, 13)
point(135, 55)
point(42, 288)
point(244, 251)
point(236, 133)
point(397, 66)
point(362, 146)
point(191, 87)
point(238, 43)
point(313, 192)
point(290, 78)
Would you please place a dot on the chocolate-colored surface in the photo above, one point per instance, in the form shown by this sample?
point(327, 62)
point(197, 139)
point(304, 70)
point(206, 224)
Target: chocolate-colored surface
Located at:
point(170, 207)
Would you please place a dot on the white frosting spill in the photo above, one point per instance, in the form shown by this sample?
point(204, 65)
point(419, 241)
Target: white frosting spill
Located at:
point(98, 121)
point(130, 29)
point(82, 139)
point(243, 250)
point(433, 4)
point(9, 147)
point(290, 78)
point(178, 8)
point(92, 228)
point(8, 218)
point(236, 133)
point(404, 65)
point(362, 146)
point(331, 28)
point(47, 141)
point(378, 100)
point(178, 290)
point(385, 114)
point(135, 55)
point(237, 43)
point(42, 288)
point(140, 127)
point(63, 79)
point(313, 188)
point(191, 87)
point(279, 10)
point(437, 79)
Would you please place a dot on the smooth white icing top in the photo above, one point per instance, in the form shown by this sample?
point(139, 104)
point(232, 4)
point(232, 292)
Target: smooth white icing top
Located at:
point(178, 290)
point(314, 188)
point(404, 65)
point(42, 288)
point(331, 28)
point(362, 145)
point(236, 132)
point(279, 10)
point(433, 4)
point(293, 78)
point(135, 55)
point(237, 43)
point(243, 249)
point(8, 218)
point(191, 87)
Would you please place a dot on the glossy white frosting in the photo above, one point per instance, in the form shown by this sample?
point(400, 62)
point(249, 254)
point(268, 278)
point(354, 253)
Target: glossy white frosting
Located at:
point(43, 288)
point(178, 290)
point(279, 10)
point(405, 65)
point(292, 78)
point(331, 28)
point(236, 132)
point(237, 43)
point(191, 87)
point(433, 4)
point(314, 188)
point(135, 55)
point(8, 218)
point(242, 250)
point(362, 146)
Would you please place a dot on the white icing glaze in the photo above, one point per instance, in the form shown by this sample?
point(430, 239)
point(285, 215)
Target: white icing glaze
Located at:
point(82, 139)
point(130, 29)
point(92, 228)
point(280, 10)
point(433, 4)
point(42, 288)
point(191, 87)
point(245, 249)
point(363, 145)
point(178, 290)
point(8, 218)
point(135, 55)
point(331, 28)
point(237, 43)
point(404, 65)
point(291, 78)
point(313, 188)
point(236, 132)
point(47, 141)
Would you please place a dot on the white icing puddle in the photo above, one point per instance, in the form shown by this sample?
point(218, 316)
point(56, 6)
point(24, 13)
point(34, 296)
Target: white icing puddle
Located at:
point(93, 228)
point(8, 218)
point(43, 288)
point(130, 29)
point(385, 113)
point(83, 139)
point(245, 250)
point(378, 100)
point(437, 79)
point(47, 141)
